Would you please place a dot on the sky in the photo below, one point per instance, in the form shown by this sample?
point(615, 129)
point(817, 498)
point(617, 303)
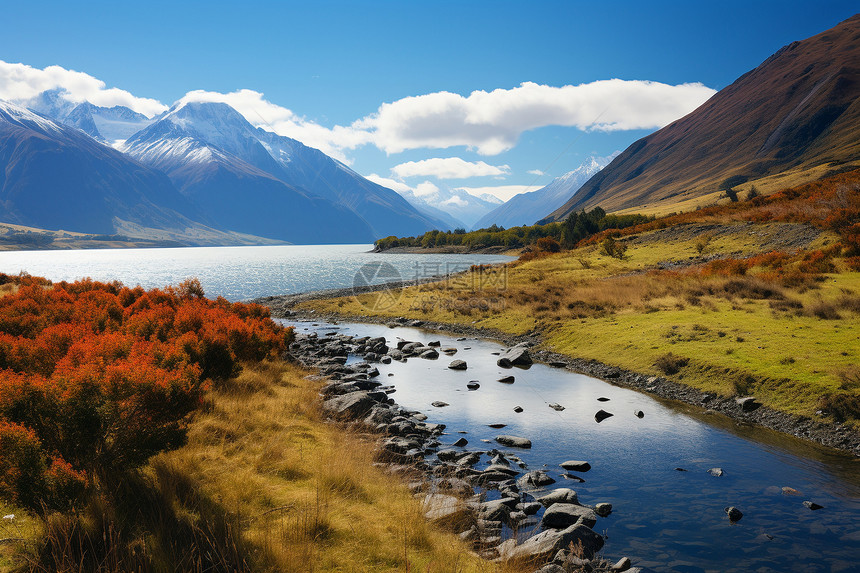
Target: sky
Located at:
point(496, 97)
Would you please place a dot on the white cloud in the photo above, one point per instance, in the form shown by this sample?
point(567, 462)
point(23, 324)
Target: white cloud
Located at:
point(21, 83)
point(448, 168)
point(503, 192)
point(455, 200)
point(491, 122)
point(398, 186)
point(425, 189)
point(535, 172)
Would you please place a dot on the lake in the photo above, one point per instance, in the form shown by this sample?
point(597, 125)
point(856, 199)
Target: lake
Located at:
point(239, 273)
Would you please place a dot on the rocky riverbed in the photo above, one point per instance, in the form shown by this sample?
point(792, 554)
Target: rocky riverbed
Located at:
point(487, 495)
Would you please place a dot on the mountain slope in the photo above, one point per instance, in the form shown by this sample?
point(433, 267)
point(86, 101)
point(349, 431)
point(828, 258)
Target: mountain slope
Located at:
point(455, 207)
point(236, 194)
point(56, 177)
point(201, 133)
point(799, 109)
point(526, 208)
point(106, 124)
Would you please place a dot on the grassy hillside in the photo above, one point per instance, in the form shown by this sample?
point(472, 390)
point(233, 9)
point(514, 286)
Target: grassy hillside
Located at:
point(756, 297)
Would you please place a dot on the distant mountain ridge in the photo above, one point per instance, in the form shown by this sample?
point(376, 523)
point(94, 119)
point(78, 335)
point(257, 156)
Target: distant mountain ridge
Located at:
point(797, 110)
point(456, 207)
point(527, 208)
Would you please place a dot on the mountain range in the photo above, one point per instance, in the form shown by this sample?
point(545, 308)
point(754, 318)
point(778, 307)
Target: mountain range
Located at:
point(526, 208)
point(457, 208)
point(796, 112)
point(196, 166)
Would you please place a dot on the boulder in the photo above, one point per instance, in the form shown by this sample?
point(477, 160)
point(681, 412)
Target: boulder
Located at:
point(439, 404)
point(734, 514)
point(518, 409)
point(514, 441)
point(461, 442)
point(603, 509)
point(535, 479)
point(556, 407)
point(547, 543)
point(562, 515)
point(352, 405)
point(576, 466)
point(516, 356)
point(430, 354)
point(747, 403)
point(559, 495)
point(622, 564)
point(458, 365)
point(447, 510)
point(507, 379)
point(639, 414)
point(497, 510)
point(716, 472)
point(602, 415)
point(473, 385)
point(812, 505)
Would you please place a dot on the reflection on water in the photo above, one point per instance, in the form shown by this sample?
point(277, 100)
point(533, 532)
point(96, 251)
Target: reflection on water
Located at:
point(665, 519)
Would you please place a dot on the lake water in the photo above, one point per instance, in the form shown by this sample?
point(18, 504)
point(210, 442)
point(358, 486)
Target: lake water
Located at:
point(664, 519)
point(238, 273)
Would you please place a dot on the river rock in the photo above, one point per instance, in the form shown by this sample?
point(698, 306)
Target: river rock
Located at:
point(556, 407)
point(558, 364)
point(507, 379)
point(639, 414)
point(449, 351)
point(516, 356)
point(716, 472)
point(530, 508)
point(430, 354)
point(439, 404)
point(352, 405)
point(473, 385)
point(747, 403)
point(603, 399)
point(576, 466)
point(501, 468)
point(812, 505)
point(535, 479)
point(603, 509)
point(461, 442)
point(734, 514)
point(497, 510)
point(447, 510)
point(514, 441)
point(602, 415)
point(622, 564)
point(547, 543)
point(434, 343)
point(562, 515)
point(458, 365)
point(559, 495)
point(518, 409)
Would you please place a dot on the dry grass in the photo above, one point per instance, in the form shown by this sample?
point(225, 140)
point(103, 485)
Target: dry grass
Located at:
point(264, 484)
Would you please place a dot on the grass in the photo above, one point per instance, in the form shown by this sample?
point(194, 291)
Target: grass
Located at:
point(754, 333)
point(264, 484)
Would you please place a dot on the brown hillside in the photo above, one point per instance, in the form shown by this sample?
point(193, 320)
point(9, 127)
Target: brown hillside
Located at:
point(799, 109)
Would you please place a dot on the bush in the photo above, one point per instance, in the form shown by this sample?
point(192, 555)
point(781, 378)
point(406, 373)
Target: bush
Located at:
point(841, 406)
point(612, 248)
point(548, 244)
point(670, 363)
point(95, 378)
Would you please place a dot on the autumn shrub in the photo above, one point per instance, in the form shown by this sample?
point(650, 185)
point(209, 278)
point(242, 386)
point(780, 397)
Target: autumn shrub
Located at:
point(548, 244)
point(670, 363)
point(95, 378)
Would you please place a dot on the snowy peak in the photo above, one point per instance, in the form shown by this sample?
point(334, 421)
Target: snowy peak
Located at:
point(23, 117)
point(107, 124)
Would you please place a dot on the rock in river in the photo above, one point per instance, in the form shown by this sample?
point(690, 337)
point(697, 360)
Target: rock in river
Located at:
point(547, 543)
point(516, 356)
point(734, 514)
point(561, 515)
point(559, 495)
point(473, 385)
point(514, 441)
point(507, 379)
point(556, 407)
point(602, 415)
point(439, 404)
point(458, 365)
point(576, 466)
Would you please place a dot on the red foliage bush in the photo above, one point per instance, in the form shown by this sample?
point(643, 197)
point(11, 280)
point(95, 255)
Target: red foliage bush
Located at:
point(95, 378)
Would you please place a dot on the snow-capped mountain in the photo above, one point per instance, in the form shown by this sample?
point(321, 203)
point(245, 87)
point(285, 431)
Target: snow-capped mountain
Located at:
point(526, 208)
point(107, 124)
point(190, 138)
point(56, 177)
point(457, 206)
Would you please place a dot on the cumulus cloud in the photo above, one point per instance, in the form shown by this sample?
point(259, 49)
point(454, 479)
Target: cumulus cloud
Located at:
point(398, 186)
point(535, 172)
point(503, 192)
point(456, 200)
point(21, 84)
point(448, 168)
point(491, 122)
point(425, 189)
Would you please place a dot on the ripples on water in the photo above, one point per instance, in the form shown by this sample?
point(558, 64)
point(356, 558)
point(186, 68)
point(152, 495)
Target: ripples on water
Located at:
point(236, 273)
point(664, 519)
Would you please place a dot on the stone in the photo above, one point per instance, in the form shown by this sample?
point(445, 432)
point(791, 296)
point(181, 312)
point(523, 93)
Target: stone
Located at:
point(516, 356)
point(518, 409)
point(458, 365)
point(473, 385)
point(496, 426)
point(603, 509)
point(530, 508)
point(812, 505)
point(576, 466)
point(559, 495)
point(501, 468)
point(603, 399)
point(497, 510)
point(439, 404)
point(558, 364)
point(639, 414)
point(461, 442)
point(556, 407)
point(535, 479)
point(789, 491)
point(602, 415)
point(507, 379)
point(747, 403)
point(734, 514)
point(430, 354)
point(514, 441)
point(551, 568)
point(352, 405)
point(562, 515)
point(434, 343)
point(446, 510)
point(622, 564)
point(547, 543)
point(716, 472)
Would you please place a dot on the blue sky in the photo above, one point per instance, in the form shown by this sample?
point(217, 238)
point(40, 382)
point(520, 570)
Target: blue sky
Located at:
point(324, 70)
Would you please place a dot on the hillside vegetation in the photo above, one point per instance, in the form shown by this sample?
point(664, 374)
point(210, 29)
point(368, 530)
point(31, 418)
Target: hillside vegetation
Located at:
point(754, 297)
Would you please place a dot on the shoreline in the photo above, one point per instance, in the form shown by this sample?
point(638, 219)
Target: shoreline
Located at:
point(831, 435)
